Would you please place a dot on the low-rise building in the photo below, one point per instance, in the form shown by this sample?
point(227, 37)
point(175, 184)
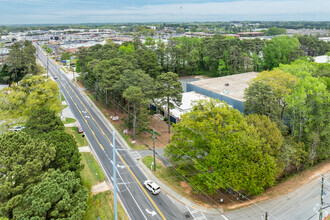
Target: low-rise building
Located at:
point(228, 88)
point(188, 101)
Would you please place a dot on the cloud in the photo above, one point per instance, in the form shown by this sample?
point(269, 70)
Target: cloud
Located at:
point(207, 11)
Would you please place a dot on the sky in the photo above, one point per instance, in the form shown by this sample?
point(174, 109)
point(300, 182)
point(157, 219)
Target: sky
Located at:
point(122, 11)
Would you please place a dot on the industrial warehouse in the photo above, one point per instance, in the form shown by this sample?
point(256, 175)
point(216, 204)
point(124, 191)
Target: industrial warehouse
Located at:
point(229, 89)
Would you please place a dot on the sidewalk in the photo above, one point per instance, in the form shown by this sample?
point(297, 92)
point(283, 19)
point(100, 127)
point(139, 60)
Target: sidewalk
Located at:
point(174, 195)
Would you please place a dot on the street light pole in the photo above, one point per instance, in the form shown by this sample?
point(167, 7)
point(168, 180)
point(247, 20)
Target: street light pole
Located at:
point(47, 64)
point(321, 214)
point(153, 140)
point(114, 174)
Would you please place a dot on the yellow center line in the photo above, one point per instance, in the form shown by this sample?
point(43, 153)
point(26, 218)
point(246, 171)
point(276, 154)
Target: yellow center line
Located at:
point(122, 159)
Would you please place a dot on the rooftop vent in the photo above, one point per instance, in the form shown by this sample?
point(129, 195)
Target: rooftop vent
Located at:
point(226, 84)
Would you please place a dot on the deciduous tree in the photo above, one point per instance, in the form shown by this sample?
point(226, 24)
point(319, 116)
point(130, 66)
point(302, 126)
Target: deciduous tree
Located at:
point(216, 141)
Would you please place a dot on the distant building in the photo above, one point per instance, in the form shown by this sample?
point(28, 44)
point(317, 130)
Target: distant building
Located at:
point(250, 34)
point(228, 88)
point(198, 34)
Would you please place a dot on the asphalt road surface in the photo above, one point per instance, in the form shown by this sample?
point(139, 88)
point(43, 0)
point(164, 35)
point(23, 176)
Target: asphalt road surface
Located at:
point(138, 202)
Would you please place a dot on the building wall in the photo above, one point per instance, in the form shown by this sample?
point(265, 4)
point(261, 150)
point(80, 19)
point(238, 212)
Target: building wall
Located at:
point(235, 103)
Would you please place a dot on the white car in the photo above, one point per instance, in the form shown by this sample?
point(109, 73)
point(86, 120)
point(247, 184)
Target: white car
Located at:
point(17, 128)
point(152, 187)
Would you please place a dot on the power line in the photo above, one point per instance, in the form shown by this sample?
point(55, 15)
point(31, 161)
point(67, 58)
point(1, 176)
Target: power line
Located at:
point(223, 181)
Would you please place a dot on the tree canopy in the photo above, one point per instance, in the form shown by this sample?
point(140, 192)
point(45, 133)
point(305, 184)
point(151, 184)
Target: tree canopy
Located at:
point(217, 142)
point(22, 159)
point(280, 50)
point(21, 61)
point(58, 196)
point(31, 93)
point(295, 96)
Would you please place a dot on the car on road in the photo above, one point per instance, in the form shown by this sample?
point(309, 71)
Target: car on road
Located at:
point(55, 77)
point(152, 187)
point(17, 128)
point(80, 130)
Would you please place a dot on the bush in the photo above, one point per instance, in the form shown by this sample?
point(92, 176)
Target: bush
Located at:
point(165, 118)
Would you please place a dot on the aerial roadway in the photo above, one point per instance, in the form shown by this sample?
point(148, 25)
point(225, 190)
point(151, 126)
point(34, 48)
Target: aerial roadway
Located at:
point(138, 202)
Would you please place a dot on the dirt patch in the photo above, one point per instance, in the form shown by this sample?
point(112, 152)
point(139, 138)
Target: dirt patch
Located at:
point(101, 187)
point(144, 138)
point(186, 187)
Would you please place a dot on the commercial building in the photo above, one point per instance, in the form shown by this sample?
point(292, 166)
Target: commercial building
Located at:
point(228, 88)
point(250, 34)
point(188, 101)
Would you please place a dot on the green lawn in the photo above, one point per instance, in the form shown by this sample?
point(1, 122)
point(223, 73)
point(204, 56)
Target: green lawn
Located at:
point(148, 161)
point(101, 205)
point(81, 141)
point(166, 175)
point(64, 106)
point(92, 173)
point(69, 121)
point(62, 97)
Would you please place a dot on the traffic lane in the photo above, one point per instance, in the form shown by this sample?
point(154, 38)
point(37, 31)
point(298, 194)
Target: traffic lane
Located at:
point(160, 201)
point(106, 159)
point(128, 178)
point(99, 152)
point(166, 206)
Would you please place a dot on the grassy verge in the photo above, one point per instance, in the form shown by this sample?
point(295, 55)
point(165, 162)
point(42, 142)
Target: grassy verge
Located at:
point(166, 175)
point(81, 141)
point(148, 161)
point(101, 204)
point(92, 173)
point(64, 106)
point(62, 97)
point(69, 121)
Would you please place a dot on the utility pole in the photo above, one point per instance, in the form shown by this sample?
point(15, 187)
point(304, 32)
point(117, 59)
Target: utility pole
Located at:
point(47, 64)
point(266, 216)
point(321, 214)
point(153, 140)
point(114, 174)
point(59, 86)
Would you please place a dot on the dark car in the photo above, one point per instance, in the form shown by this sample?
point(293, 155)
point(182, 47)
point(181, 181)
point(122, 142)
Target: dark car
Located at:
point(80, 130)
